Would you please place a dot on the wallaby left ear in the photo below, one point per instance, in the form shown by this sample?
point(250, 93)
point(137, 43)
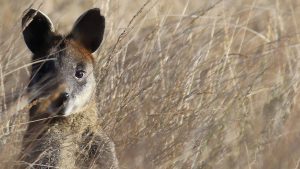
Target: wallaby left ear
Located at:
point(88, 30)
point(38, 31)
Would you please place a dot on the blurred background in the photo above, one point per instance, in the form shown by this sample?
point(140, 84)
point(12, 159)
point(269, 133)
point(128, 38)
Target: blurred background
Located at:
point(181, 84)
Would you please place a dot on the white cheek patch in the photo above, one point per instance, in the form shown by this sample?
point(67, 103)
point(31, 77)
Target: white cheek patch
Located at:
point(80, 100)
point(69, 110)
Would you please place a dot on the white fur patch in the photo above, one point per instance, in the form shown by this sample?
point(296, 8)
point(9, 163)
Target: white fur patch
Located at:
point(77, 103)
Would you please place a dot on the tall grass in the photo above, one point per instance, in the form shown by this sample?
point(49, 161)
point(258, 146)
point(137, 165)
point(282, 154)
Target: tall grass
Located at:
point(181, 84)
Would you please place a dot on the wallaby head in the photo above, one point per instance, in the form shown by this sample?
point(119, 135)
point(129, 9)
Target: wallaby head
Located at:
point(62, 70)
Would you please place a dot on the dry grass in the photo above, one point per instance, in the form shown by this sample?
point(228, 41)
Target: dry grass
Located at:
point(181, 84)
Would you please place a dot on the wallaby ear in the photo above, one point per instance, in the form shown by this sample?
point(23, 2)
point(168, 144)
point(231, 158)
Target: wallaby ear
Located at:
point(88, 30)
point(38, 31)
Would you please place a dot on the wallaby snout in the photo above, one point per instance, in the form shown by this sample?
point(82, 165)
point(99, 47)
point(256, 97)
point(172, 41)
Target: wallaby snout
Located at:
point(60, 102)
point(64, 96)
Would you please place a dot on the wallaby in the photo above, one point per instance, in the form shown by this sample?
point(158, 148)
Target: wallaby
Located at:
point(64, 131)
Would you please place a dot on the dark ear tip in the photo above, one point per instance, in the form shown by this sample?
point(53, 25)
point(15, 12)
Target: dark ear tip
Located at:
point(27, 14)
point(34, 14)
point(29, 11)
point(94, 10)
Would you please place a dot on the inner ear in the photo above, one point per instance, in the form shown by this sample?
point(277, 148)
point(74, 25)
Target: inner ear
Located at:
point(38, 31)
point(88, 30)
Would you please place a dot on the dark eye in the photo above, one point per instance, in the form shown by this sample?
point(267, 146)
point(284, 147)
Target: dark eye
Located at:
point(79, 74)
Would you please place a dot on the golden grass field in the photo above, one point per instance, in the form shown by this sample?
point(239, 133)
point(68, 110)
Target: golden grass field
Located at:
point(181, 84)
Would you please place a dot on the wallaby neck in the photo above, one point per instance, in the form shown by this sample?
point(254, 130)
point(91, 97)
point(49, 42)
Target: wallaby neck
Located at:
point(77, 122)
point(58, 133)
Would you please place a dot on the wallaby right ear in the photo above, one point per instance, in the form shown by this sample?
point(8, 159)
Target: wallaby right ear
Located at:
point(88, 29)
point(38, 31)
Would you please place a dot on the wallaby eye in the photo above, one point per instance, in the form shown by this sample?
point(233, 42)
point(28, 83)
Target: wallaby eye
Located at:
point(79, 74)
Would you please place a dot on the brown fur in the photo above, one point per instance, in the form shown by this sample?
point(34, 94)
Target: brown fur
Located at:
point(86, 55)
point(73, 142)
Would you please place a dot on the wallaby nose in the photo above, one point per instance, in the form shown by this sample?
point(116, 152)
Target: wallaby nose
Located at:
point(61, 100)
point(65, 96)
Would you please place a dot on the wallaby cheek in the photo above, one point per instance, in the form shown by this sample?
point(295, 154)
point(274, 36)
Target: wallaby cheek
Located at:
point(86, 93)
point(81, 95)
